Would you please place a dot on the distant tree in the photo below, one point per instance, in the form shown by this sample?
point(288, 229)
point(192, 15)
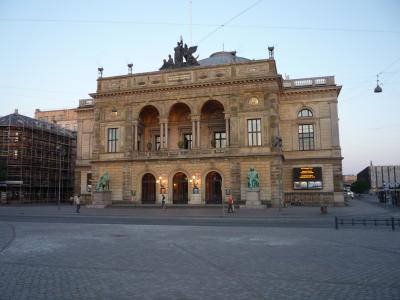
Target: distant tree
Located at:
point(360, 186)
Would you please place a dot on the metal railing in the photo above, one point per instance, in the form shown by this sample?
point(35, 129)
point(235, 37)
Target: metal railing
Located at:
point(364, 222)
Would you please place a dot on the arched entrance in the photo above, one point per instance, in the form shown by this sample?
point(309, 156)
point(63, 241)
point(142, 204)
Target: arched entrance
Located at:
point(148, 189)
point(213, 188)
point(180, 188)
point(180, 126)
point(213, 121)
point(148, 129)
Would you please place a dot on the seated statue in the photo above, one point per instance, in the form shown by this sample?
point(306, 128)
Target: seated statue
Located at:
point(253, 181)
point(103, 182)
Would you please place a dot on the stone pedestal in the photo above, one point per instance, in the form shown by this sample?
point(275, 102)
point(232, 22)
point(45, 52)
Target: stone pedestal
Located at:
point(253, 199)
point(100, 199)
point(195, 199)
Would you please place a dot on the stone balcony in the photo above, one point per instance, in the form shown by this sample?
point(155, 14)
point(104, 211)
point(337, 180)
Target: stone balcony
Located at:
point(172, 154)
point(86, 103)
point(309, 82)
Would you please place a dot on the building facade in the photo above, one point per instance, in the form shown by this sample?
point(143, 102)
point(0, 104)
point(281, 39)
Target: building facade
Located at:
point(380, 177)
point(36, 160)
point(65, 118)
point(197, 133)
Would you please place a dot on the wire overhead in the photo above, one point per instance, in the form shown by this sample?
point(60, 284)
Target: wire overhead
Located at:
point(219, 26)
point(230, 20)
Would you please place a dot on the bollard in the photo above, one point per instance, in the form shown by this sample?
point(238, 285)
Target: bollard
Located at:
point(392, 223)
point(336, 223)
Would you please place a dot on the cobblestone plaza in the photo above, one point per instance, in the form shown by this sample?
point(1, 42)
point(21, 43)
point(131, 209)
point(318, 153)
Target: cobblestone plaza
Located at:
point(47, 260)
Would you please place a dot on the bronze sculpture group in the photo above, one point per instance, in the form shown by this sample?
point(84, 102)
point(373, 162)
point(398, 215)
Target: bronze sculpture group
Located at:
point(182, 51)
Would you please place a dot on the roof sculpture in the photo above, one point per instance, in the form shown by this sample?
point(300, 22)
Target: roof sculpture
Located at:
point(181, 51)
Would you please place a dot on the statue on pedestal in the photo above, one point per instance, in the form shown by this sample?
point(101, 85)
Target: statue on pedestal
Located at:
point(253, 181)
point(103, 183)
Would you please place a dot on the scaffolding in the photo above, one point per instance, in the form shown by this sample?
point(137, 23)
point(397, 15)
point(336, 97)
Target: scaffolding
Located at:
point(36, 161)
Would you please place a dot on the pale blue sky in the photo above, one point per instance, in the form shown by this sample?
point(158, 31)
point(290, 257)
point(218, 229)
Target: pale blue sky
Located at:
point(50, 51)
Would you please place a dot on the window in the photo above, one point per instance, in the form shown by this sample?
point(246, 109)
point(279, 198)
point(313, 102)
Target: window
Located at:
point(254, 132)
point(306, 137)
point(157, 142)
point(220, 139)
point(187, 141)
point(305, 113)
point(112, 139)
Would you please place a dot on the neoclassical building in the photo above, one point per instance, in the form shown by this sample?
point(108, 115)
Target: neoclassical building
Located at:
point(193, 131)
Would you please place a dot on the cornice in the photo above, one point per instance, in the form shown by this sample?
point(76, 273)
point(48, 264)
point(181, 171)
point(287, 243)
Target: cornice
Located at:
point(182, 87)
point(311, 90)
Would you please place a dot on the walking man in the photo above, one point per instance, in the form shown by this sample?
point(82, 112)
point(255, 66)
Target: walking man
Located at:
point(163, 202)
point(77, 202)
point(230, 204)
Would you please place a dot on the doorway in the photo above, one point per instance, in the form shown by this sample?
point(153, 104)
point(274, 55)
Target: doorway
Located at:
point(180, 188)
point(213, 188)
point(148, 189)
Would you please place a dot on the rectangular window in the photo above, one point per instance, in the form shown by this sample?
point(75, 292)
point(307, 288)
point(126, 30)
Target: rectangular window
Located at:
point(306, 137)
point(157, 142)
point(220, 139)
point(112, 139)
point(187, 141)
point(254, 132)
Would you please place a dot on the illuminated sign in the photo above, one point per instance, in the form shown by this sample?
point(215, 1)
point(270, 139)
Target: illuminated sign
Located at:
point(307, 178)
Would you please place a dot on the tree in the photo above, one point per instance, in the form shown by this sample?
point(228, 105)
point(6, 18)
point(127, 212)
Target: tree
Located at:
point(360, 186)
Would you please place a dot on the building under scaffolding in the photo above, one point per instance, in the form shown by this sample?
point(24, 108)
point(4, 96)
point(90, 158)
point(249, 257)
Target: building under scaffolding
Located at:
point(36, 161)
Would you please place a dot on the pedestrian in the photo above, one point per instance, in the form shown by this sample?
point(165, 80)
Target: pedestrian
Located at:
point(230, 204)
point(163, 201)
point(77, 201)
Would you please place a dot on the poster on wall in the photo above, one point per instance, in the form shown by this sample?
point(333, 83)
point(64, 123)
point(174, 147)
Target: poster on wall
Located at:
point(307, 178)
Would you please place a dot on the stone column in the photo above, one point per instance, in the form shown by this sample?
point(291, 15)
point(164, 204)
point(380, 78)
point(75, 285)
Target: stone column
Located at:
point(161, 135)
point(194, 134)
point(166, 134)
point(227, 131)
point(135, 139)
point(198, 132)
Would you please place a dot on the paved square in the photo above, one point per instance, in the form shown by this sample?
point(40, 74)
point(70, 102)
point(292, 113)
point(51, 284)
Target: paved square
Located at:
point(104, 261)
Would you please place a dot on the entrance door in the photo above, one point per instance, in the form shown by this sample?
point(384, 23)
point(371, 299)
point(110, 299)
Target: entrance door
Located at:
point(148, 189)
point(213, 188)
point(180, 188)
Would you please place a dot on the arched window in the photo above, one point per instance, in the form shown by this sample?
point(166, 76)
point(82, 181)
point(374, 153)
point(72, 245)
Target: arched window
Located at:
point(305, 113)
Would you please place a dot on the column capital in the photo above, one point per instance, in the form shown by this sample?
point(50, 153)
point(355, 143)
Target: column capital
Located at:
point(195, 118)
point(163, 120)
point(227, 116)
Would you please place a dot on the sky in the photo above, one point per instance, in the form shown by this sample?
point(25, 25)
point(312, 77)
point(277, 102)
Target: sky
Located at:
point(50, 52)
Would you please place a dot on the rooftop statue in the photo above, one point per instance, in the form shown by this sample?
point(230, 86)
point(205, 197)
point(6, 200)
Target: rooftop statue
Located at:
point(181, 52)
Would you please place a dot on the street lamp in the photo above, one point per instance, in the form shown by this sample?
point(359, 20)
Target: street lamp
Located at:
point(378, 88)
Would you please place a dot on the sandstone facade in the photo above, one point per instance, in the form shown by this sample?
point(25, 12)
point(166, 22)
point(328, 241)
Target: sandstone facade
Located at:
point(192, 134)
